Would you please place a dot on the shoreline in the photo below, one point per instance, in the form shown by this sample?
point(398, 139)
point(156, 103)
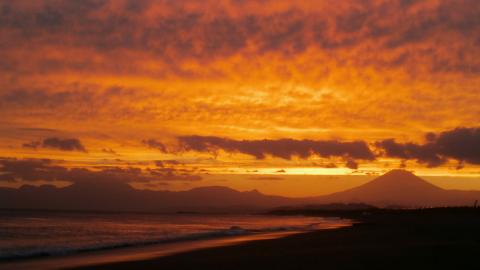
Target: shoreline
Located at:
point(413, 239)
point(142, 252)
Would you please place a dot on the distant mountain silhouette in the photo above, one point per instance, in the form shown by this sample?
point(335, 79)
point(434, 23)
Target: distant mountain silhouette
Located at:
point(122, 197)
point(401, 187)
point(397, 187)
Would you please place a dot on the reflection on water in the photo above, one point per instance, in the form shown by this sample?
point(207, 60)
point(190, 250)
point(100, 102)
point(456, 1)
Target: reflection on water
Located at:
point(34, 234)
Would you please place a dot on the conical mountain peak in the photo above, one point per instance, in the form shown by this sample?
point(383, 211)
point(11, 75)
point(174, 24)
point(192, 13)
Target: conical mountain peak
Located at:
point(394, 187)
point(400, 180)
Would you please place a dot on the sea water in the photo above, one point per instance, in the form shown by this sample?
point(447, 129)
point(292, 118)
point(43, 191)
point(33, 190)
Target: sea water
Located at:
point(26, 234)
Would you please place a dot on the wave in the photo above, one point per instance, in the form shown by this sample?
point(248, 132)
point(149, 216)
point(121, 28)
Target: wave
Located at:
point(7, 255)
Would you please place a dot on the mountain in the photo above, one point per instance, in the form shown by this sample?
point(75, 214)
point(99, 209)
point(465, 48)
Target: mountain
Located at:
point(114, 197)
point(397, 187)
point(401, 187)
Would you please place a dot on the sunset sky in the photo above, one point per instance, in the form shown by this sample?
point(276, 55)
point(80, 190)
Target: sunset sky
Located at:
point(293, 98)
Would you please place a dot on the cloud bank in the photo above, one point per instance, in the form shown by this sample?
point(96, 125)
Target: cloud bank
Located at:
point(461, 144)
point(281, 148)
point(31, 170)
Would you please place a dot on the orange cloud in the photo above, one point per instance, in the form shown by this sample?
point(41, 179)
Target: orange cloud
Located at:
point(116, 72)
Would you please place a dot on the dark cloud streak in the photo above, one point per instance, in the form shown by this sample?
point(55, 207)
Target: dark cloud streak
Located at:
point(67, 144)
point(461, 144)
point(71, 144)
point(155, 144)
point(281, 148)
point(31, 170)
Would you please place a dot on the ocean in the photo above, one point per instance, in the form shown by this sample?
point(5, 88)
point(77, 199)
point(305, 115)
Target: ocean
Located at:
point(27, 234)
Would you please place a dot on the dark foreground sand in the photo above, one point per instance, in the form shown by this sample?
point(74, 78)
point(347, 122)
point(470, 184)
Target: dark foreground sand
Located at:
point(420, 239)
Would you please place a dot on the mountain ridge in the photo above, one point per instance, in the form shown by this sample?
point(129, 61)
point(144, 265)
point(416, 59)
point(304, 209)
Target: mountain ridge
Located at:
point(119, 197)
point(396, 187)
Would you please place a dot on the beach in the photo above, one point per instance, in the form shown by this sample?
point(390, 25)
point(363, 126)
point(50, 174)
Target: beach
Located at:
point(50, 240)
point(137, 253)
point(416, 239)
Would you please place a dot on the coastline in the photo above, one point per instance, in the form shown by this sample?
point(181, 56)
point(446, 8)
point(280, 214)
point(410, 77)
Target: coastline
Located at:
point(144, 252)
point(418, 239)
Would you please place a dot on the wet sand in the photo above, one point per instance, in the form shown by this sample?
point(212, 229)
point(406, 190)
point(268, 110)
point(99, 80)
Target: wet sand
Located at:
point(419, 239)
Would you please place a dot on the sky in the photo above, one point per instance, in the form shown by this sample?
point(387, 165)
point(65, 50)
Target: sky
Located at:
point(293, 98)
